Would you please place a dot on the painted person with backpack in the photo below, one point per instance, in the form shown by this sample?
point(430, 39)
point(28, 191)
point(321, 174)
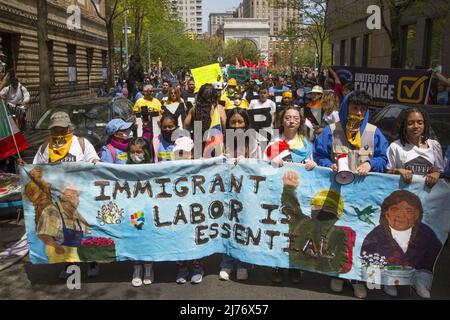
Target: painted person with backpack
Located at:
point(119, 133)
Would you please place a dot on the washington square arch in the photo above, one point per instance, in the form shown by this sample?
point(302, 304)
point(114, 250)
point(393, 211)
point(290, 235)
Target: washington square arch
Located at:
point(254, 30)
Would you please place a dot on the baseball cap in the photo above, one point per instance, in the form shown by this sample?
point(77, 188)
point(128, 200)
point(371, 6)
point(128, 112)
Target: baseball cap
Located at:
point(287, 94)
point(117, 125)
point(258, 82)
point(59, 119)
point(183, 143)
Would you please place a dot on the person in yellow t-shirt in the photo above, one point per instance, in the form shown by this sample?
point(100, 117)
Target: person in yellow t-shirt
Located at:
point(153, 104)
point(236, 101)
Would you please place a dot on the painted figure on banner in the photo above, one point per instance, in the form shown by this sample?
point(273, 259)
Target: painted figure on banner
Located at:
point(317, 243)
point(406, 246)
point(38, 191)
point(61, 227)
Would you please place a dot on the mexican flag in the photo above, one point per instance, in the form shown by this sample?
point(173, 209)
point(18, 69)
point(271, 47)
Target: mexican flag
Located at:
point(7, 145)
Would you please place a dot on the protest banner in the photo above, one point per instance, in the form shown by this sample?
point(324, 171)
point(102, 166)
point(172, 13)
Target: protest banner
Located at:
point(206, 74)
point(387, 86)
point(279, 217)
point(240, 74)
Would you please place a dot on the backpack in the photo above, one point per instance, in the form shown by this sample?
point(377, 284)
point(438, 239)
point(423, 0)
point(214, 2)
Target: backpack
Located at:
point(112, 151)
point(44, 146)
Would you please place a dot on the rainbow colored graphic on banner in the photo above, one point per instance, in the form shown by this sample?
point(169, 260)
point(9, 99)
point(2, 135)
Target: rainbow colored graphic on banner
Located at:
point(138, 219)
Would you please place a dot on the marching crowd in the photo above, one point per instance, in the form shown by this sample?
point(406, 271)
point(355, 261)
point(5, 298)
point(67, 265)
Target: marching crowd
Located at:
point(313, 126)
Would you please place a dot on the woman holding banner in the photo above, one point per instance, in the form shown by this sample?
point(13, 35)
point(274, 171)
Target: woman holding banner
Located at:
point(414, 153)
point(291, 146)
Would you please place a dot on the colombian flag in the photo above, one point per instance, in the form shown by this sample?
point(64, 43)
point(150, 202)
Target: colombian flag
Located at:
point(214, 143)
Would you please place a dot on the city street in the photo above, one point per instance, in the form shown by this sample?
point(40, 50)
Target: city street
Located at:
point(26, 281)
point(307, 134)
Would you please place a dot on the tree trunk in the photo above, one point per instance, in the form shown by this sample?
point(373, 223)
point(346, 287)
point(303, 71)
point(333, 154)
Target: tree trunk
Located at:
point(138, 30)
point(44, 68)
point(110, 34)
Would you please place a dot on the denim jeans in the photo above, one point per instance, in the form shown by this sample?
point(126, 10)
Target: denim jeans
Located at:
point(232, 263)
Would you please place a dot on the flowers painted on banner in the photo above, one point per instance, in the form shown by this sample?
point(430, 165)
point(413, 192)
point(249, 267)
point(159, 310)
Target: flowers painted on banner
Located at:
point(110, 214)
point(97, 242)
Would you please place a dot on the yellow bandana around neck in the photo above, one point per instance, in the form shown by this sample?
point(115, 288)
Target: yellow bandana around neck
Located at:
point(59, 147)
point(353, 130)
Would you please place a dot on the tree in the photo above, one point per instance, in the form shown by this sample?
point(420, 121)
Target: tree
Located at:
point(398, 9)
point(314, 27)
point(111, 13)
point(44, 68)
point(241, 49)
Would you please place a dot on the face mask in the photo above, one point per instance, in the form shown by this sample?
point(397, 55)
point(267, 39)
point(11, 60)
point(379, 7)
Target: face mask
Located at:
point(167, 135)
point(59, 141)
point(137, 158)
point(128, 136)
point(354, 122)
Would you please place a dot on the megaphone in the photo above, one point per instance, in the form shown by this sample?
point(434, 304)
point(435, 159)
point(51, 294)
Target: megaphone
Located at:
point(344, 175)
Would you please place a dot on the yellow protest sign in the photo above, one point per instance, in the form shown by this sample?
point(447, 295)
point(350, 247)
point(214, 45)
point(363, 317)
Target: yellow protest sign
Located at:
point(206, 74)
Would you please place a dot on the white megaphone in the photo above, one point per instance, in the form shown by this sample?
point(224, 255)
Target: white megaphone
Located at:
point(344, 175)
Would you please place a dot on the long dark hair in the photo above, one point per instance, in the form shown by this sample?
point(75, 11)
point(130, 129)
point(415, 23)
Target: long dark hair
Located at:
point(403, 120)
point(242, 112)
point(395, 198)
point(141, 142)
point(206, 98)
point(279, 123)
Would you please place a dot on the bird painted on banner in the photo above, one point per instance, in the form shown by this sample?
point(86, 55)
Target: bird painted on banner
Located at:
point(366, 214)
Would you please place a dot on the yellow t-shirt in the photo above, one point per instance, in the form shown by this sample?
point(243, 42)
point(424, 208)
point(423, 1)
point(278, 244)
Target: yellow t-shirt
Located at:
point(153, 106)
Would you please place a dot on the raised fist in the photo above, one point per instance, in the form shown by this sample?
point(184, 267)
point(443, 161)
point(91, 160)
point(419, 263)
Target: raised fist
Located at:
point(291, 178)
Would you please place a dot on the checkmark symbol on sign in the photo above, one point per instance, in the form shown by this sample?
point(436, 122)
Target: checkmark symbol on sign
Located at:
point(410, 91)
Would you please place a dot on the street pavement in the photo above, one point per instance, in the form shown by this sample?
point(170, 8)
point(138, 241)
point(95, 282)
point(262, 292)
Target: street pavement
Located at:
point(26, 281)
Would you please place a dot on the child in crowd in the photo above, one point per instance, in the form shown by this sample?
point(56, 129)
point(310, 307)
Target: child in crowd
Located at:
point(115, 151)
point(137, 152)
point(183, 150)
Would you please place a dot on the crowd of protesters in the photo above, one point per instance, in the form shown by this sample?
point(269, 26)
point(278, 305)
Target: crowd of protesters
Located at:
point(311, 120)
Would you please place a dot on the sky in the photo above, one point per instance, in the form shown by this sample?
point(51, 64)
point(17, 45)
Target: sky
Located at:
point(216, 6)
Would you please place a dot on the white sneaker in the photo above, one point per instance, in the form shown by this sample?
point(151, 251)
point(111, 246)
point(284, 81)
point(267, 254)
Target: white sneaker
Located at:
point(137, 276)
point(197, 275)
point(148, 273)
point(337, 285)
point(242, 274)
point(224, 274)
point(182, 275)
point(390, 290)
point(359, 290)
point(422, 291)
